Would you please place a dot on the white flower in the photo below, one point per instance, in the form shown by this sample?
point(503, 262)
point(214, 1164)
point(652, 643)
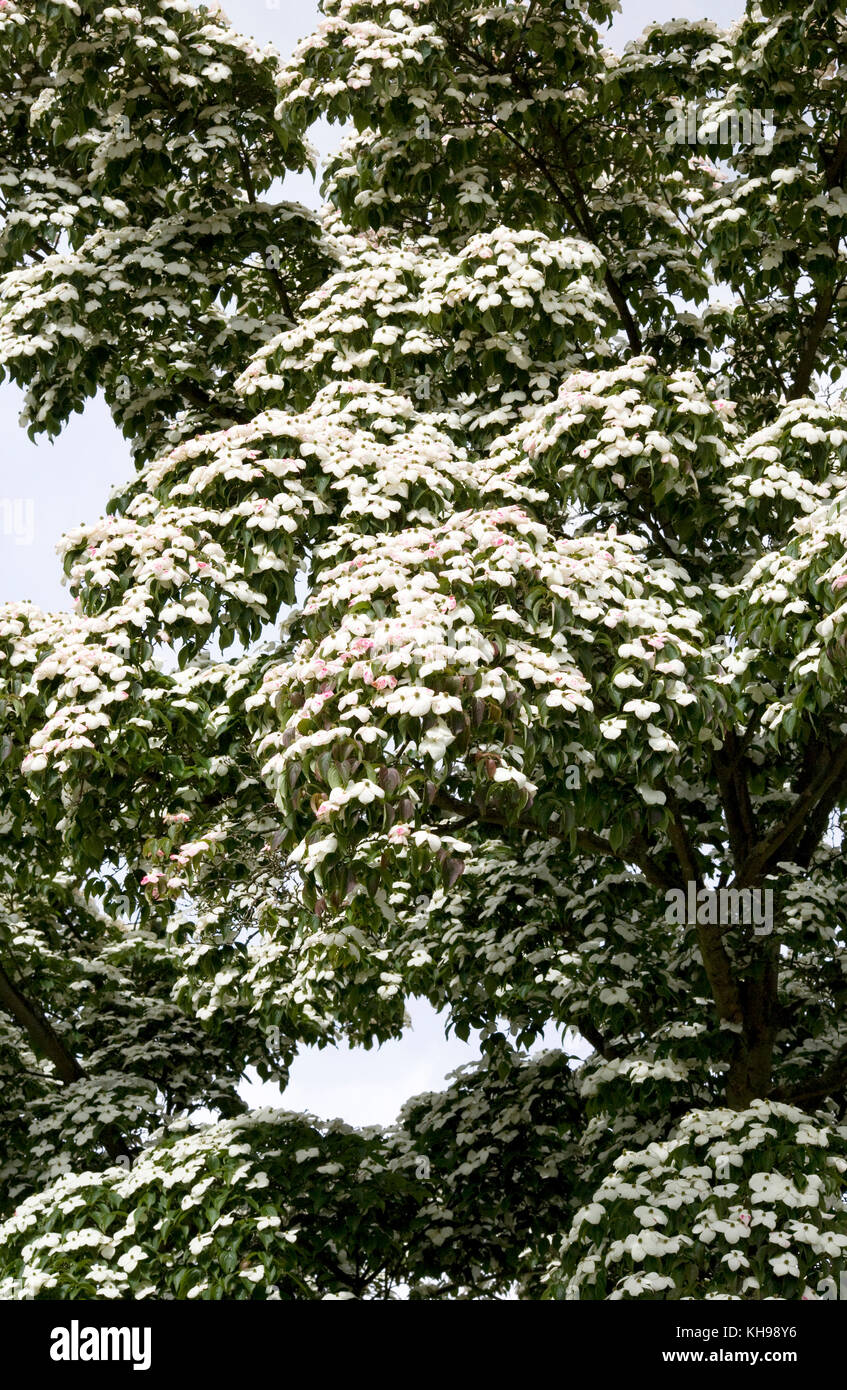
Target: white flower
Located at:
point(642, 709)
point(132, 1258)
point(651, 795)
point(409, 699)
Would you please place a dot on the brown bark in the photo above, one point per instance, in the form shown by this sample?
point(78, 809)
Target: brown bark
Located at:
point(46, 1042)
point(750, 1072)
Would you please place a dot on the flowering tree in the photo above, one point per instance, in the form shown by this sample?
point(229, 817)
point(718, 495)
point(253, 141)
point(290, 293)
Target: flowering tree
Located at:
point(476, 602)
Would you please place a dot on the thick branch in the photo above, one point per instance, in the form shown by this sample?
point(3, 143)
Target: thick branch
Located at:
point(578, 211)
point(272, 273)
point(735, 797)
point(778, 844)
point(46, 1042)
point(811, 343)
point(750, 1071)
point(42, 1037)
point(679, 837)
point(637, 851)
point(593, 1035)
point(831, 1082)
point(718, 967)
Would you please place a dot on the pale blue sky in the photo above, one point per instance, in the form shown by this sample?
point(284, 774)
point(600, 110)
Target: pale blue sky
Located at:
point(47, 488)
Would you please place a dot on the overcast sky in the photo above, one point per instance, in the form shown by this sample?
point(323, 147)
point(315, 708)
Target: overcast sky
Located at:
point(47, 488)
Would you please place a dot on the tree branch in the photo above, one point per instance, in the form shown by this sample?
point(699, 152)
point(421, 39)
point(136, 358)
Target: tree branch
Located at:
point(778, 843)
point(831, 1082)
point(45, 1041)
point(735, 796)
point(637, 851)
point(41, 1035)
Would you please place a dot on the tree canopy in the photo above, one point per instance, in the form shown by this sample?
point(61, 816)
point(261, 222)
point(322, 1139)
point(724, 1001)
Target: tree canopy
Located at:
point(478, 589)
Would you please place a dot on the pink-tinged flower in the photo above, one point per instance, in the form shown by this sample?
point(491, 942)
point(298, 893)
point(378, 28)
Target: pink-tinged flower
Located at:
point(324, 809)
point(361, 644)
point(385, 682)
point(399, 834)
point(327, 693)
point(202, 565)
point(840, 581)
point(153, 876)
point(657, 642)
point(450, 604)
